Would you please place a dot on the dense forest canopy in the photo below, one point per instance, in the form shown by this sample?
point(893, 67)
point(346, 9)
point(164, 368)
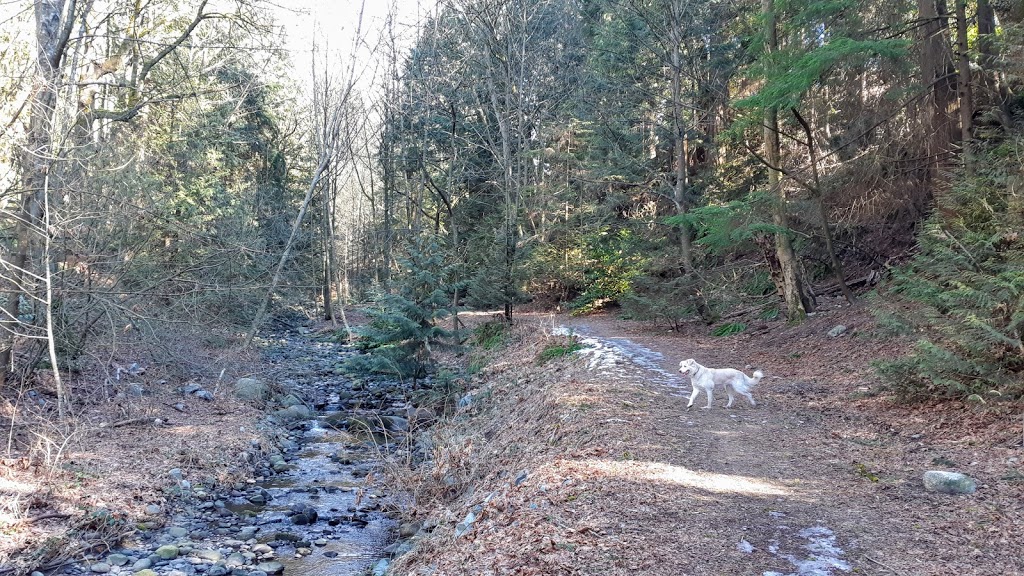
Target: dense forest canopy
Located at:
point(678, 159)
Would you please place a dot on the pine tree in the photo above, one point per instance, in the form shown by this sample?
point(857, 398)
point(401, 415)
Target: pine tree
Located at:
point(405, 323)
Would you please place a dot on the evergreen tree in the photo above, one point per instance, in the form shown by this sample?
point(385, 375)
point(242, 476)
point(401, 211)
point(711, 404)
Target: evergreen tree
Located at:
point(405, 323)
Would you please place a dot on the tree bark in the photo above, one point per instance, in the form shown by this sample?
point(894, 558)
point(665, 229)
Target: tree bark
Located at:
point(995, 93)
point(799, 300)
point(1009, 11)
point(54, 21)
point(938, 72)
point(963, 85)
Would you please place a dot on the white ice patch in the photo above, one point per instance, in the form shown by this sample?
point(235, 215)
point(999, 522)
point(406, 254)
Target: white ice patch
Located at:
point(824, 554)
point(745, 547)
point(609, 356)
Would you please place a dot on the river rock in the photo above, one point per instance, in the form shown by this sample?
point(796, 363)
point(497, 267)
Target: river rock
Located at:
point(360, 425)
point(273, 567)
point(336, 420)
point(142, 564)
point(395, 423)
point(251, 389)
point(145, 572)
point(117, 559)
point(409, 529)
point(211, 555)
point(949, 482)
point(289, 400)
point(303, 514)
point(235, 560)
point(167, 552)
point(100, 568)
point(297, 412)
point(177, 532)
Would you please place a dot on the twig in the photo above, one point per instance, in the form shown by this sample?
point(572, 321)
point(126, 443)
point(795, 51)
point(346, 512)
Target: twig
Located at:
point(889, 568)
point(140, 420)
point(46, 516)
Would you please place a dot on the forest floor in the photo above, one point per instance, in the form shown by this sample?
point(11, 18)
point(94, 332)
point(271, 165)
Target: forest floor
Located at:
point(590, 463)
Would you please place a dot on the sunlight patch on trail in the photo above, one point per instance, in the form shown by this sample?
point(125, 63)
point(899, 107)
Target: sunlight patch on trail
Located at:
point(610, 355)
point(708, 481)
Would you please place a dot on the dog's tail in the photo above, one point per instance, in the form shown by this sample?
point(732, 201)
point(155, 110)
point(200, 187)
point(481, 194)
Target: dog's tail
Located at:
point(757, 377)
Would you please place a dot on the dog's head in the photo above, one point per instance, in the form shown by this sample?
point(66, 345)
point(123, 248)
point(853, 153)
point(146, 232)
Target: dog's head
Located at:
point(688, 366)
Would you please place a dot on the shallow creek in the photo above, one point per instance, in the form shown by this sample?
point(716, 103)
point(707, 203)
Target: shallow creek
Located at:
point(327, 469)
point(311, 509)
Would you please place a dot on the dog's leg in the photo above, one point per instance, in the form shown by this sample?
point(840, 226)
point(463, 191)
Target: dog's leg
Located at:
point(693, 396)
point(750, 397)
point(709, 390)
point(728, 390)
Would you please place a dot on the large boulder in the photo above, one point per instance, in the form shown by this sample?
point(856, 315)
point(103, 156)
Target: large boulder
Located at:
point(289, 400)
point(251, 389)
point(298, 412)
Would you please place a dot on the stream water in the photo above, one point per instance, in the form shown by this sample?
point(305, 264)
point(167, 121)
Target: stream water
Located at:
point(311, 509)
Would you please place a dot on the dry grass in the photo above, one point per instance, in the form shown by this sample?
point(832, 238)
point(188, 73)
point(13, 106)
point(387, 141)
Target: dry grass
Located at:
point(81, 483)
point(619, 479)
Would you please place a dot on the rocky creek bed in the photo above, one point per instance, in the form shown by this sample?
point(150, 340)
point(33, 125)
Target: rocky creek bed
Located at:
point(311, 506)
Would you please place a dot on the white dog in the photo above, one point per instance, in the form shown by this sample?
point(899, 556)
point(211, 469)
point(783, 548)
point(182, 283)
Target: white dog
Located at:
point(704, 378)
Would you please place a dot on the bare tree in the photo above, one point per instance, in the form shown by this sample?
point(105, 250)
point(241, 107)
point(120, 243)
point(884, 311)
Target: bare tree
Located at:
point(54, 22)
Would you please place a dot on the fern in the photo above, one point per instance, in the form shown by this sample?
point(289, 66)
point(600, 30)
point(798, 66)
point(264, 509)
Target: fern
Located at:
point(729, 329)
point(967, 285)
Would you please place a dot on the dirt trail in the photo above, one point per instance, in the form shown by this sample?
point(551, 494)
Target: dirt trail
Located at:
point(788, 487)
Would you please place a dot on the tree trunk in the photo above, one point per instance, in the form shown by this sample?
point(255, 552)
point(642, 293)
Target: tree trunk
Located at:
point(937, 71)
point(819, 205)
point(54, 19)
point(996, 93)
point(963, 84)
point(799, 300)
point(679, 143)
point(1009, 11)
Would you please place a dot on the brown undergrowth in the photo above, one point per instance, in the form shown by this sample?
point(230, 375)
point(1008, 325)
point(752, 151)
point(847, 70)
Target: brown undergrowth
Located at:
point(572, 467)
point(81, 483)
